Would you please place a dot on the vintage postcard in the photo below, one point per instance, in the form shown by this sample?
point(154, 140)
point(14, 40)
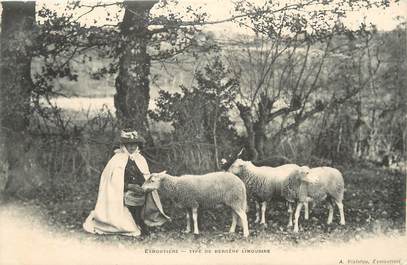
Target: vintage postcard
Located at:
point(203, 132)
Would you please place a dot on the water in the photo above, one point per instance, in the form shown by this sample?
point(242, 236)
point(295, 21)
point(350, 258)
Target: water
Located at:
point(84, 104)
point(77, 107)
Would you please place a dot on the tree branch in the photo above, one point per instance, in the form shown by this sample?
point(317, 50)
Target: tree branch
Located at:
point(93, 7)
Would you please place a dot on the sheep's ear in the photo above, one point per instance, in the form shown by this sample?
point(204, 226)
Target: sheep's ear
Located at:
point(240, 153)
point(150, 177)
point(162, 173)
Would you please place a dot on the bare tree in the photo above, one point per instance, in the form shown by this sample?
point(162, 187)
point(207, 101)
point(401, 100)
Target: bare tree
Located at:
point(283, 70)
point(278, 84)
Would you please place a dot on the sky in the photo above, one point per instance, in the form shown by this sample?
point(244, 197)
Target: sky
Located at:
point(385, 19)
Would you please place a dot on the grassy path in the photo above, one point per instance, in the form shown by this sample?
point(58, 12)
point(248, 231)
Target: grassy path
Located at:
point(49, 231)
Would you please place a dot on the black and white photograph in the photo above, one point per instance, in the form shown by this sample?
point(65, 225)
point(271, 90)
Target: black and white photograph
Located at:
point(203, 132)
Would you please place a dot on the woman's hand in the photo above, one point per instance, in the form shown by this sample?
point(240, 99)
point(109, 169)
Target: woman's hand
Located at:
point(135, 188)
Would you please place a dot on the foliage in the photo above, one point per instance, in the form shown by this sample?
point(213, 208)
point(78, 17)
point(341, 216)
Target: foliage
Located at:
point(364, 120)
point(65, 38)
point(288, 65)
point(385, 104)
point(201, 113)
point(294, 69)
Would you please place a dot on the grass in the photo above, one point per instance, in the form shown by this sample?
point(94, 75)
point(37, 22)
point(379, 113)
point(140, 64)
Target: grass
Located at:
point(374, 204)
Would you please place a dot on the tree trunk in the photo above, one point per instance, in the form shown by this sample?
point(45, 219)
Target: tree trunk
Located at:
point(215, 139)
point(16, 84)
point(17, 23)
point(132, 83)
point(247, 118)
point(260, 138)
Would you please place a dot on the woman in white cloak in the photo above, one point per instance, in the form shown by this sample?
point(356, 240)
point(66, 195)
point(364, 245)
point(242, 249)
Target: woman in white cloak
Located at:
point(111, 213)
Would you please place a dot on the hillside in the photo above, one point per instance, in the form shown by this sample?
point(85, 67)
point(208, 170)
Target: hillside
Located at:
point(169, 78)
point(166, 75)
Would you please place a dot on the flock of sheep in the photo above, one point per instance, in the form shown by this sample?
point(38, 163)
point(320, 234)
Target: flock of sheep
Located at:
point(290, 183)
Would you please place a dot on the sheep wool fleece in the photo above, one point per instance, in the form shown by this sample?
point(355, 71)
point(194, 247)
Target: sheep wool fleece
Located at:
point(110, 214)
point(265, 182)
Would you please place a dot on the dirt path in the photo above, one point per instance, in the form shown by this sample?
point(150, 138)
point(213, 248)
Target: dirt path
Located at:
point(26, 238)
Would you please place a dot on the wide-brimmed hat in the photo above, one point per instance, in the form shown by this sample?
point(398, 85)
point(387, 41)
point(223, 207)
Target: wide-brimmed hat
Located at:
point(131, 136)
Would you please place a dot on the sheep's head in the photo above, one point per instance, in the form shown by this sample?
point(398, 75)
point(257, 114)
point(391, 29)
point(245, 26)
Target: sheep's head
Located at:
point(294, 182)
point(153, 182)
point(303, 171)
point(237, 166)
point(306, 175)
point(227, 163)
point(299, 175)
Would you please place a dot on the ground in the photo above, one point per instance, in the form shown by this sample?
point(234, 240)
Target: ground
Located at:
point(374, 208)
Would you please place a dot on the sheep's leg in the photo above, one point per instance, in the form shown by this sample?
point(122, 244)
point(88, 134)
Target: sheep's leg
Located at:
point(290, 214)
point(188, 229)
point(234, 221)
point(257, 220)
point(340, 206)
point(243, 220)
point(195, 219)
point(306, 211)
point(263, 213)
point(331, 213)
point(297, 216)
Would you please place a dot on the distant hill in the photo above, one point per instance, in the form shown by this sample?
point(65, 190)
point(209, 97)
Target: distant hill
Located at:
point(163, 76)
point(168, 77)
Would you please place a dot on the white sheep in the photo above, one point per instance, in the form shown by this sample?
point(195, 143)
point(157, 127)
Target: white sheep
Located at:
point(315, 185)
point(209, 190)
point(265, 183)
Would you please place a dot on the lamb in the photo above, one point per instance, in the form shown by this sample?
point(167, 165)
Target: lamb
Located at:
point(316, 184)
point(208, 190)
point(265, 183)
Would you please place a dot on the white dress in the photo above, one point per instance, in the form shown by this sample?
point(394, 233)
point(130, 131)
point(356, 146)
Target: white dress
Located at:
point(110, 214)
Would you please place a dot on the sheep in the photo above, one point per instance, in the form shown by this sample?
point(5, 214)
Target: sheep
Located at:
point(208, 190)
point(264, 183)
point(273, 161)
point(316, 184)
